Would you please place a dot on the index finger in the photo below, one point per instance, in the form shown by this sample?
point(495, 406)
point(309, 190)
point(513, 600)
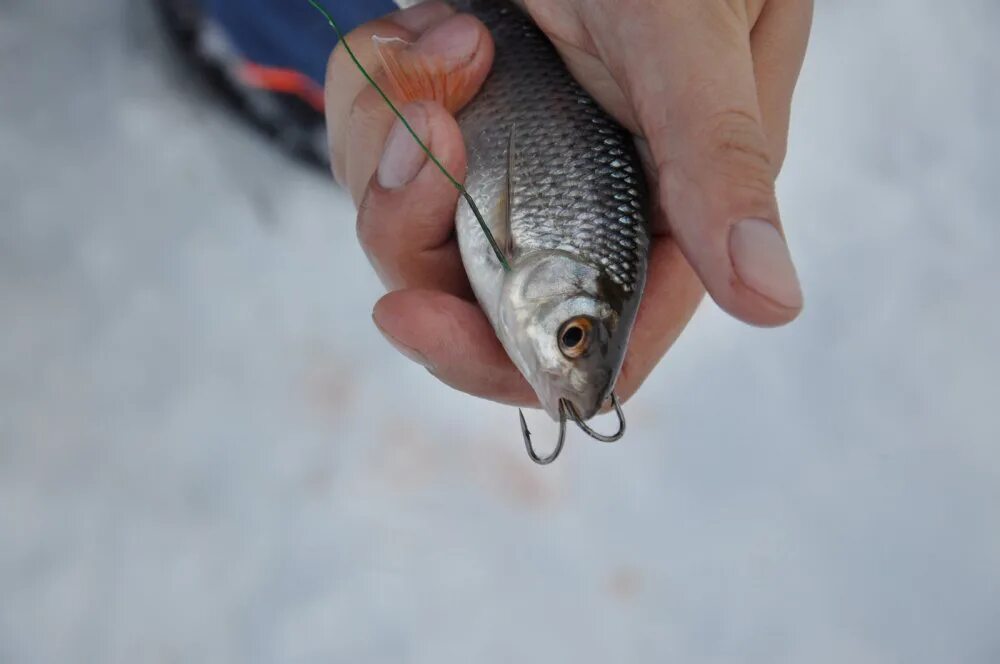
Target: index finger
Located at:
point(344, 82)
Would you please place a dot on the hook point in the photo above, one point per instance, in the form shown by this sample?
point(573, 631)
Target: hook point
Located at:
point(540, 460)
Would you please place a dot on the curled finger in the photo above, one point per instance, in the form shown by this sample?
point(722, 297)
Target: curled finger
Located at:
point(406, 220)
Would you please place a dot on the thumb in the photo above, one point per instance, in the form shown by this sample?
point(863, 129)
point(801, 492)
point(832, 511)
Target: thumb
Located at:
point(689, 76)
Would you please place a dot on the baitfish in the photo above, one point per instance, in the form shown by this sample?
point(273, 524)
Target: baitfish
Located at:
point(562, 190)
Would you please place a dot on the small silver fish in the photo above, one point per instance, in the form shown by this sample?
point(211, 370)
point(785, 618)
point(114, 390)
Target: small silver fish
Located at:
point(561, 187)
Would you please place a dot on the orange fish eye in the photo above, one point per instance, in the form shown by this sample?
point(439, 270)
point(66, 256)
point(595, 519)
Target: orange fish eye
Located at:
point(574, 336)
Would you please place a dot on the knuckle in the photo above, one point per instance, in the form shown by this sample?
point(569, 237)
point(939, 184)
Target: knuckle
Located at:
point(357, 141)
point(371, 241)
point(363, 107)
point(779, 149)
point(357, 115)
point(365, 227)
point(730, 13)
point(737, 148)
point(376, 232)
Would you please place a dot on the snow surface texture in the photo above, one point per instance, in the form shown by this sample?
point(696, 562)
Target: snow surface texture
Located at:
point(209, 454)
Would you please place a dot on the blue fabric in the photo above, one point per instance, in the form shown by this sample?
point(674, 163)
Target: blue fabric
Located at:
point(290, 33)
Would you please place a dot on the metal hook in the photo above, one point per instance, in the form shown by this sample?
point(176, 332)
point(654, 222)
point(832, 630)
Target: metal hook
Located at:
point(542, 461)
point(598, 436)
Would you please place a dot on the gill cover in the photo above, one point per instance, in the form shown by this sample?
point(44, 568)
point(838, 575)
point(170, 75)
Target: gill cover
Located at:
point(560, 327)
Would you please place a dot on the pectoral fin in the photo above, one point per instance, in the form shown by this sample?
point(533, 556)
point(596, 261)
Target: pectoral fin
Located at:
point(419, 77)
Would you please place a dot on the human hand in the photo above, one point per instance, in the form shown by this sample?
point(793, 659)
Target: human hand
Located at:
point(708, 82)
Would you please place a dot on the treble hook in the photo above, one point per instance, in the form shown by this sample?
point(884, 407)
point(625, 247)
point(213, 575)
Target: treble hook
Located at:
point(598, 436)
point(542, 461)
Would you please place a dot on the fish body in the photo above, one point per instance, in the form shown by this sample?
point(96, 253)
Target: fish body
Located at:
point(560, 185)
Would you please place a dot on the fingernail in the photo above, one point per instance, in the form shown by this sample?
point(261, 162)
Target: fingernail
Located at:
point(408, 351)
point(402, 157)
point(420, 17)
point(456, 39)
point(761, 260)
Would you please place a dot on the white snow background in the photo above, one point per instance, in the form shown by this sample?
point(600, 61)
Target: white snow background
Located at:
point(209, 454)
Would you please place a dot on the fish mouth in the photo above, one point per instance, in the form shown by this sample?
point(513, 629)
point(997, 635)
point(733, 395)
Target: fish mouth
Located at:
point(583, 412)
point(577, 406)
point(586, 406)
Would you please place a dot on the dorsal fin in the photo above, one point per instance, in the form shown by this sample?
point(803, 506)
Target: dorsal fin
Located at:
point(504, 236)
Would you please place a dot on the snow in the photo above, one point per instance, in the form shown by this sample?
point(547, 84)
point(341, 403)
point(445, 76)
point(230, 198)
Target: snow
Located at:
point(208, 452)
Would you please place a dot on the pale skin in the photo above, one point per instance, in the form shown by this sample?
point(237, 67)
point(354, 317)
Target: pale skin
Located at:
point(706, 84)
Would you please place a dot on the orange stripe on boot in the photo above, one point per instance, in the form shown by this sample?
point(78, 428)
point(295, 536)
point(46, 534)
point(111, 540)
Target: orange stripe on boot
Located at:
point(278, 79)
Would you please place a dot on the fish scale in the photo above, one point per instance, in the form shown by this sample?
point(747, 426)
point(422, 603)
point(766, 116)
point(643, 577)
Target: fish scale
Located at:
point(577, 182)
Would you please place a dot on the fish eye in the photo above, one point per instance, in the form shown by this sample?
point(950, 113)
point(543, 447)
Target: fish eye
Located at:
point(574, 337)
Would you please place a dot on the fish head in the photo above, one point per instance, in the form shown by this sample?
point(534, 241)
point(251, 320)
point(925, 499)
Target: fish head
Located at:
point(561, 321)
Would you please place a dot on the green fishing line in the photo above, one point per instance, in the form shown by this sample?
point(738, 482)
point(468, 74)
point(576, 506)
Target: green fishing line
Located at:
point(458, 185)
